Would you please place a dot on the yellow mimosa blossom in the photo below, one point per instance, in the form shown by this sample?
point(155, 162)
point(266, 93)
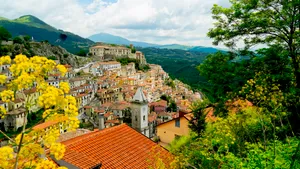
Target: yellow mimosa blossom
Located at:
point(2, 111)
point(46, 164)
point(64, 86)
point(57, 150)
point(7, 96)
point(6, 157)
point(62, 69)
point(58, 107)
point(5, 60)
point(20, 59)
point(2, 79)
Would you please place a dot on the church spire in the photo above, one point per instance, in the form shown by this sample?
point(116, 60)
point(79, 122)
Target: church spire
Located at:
point(139, 96)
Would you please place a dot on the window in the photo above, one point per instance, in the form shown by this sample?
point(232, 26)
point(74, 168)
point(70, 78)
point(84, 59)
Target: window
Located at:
point(177, 122)
point(144, 117)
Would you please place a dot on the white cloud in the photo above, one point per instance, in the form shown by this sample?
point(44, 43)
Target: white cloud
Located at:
point(156, 21)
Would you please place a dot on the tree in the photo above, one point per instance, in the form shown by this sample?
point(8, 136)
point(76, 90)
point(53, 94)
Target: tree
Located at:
point(27, 149)
point(82, 53)
point(4, 34)
point(199, 113)
point(260, 21)
point(18, 40)
point(27, 38)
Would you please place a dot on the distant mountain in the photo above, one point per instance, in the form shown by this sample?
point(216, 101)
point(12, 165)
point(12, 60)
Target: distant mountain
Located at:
point(40, 31)
point(175, 46)
point(118, 40)
point(108, 38)
point(204, 49)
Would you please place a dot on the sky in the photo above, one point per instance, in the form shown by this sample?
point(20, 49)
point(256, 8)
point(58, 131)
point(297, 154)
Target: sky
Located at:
point(155, 21)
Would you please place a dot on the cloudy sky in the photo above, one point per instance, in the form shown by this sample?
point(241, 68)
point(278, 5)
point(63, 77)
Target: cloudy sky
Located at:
point(155, 21)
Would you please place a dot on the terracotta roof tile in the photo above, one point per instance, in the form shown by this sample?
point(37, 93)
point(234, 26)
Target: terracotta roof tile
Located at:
point(49, 123)
point(115, 147)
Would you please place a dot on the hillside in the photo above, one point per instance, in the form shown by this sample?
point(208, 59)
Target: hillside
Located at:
point(179, 64)
point(40, 31)
point(47, 50)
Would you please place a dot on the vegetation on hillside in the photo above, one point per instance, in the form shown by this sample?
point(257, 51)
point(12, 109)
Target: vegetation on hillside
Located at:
point(250, 118)
point(23, 44)
point(180, 64)
point(40, 31)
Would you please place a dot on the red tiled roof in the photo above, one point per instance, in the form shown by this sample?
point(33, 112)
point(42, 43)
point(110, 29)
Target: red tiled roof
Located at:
point(115, 147)
point(160, 103)
point(49, 123)
point(107, 114)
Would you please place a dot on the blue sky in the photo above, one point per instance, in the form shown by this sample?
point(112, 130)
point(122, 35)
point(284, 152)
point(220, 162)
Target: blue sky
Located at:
point(155, 21)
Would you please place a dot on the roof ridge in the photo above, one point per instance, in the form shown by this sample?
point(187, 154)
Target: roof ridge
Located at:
point(91, 134)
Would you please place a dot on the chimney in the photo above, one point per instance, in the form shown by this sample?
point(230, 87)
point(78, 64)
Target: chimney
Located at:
point(101, 121)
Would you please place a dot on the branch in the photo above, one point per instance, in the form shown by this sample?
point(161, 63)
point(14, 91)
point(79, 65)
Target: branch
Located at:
point(7, 136)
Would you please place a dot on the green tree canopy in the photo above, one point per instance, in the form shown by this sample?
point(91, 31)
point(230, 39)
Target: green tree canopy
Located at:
point(260, 21)
point(4, 34)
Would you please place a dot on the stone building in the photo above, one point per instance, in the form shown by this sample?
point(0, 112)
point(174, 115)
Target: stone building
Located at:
point(103, 51)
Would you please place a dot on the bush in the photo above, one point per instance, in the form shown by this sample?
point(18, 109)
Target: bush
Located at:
point(26, 38)
point(18, 40)
point(27, 46)
point(82, 53)
point(31, 52)
point(52, 57)
point(65, 55)
point(17, 47)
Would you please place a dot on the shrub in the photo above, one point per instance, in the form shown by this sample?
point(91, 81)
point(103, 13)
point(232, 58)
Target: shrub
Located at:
point(65, 55)
point(26, 38)
point(18, 40)
point(82, 53)
point(52, 58)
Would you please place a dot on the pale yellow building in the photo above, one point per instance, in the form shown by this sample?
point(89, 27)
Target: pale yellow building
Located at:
point(172, 129)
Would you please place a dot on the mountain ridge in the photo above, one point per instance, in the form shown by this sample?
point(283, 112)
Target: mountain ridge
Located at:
point(113, 39)
point(40, 31)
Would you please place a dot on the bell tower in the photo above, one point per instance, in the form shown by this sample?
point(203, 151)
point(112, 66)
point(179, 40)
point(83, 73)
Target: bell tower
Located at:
point(139, 115)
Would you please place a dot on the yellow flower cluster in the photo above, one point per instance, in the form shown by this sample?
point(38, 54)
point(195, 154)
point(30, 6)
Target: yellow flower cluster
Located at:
point(7, 96)
point(24, 81)
point(58, 108)
point(5, 60)
point(51, 97)
point(64, 86)
point(31, 151)
point(20, 59)
point(2, 111)
point(6, 155)
point(2, 79)
point(46, 164)
point(50, 136)
point(57, 150)
point(62, 69)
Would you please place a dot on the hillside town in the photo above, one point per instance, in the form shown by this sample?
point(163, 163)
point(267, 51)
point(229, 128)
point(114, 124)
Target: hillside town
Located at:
point(111, 94)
